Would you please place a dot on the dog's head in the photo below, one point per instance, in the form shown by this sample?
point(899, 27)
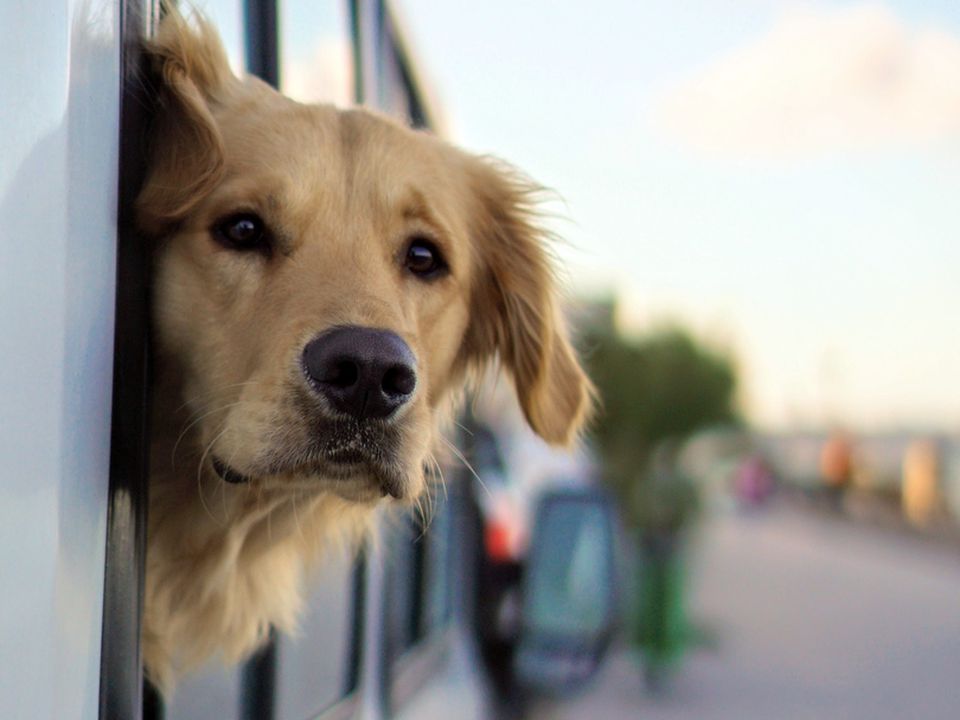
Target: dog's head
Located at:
point(327, 279)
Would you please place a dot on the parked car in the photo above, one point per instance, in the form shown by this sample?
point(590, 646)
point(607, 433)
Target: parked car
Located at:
point(571, 591)
point(511, 468)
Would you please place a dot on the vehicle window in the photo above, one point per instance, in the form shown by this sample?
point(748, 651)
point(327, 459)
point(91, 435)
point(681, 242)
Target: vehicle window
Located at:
point(404, 578)
point(395, 95)
point(486, 454)
point(316, 52)
point(564, 584)
point(418, 578)
point(436, 605)
point(214, 692)
point(315, 666)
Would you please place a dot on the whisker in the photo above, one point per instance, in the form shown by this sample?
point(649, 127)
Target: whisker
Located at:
point(176, 445)
point(430, 511)
point(467, 465)
point(260, 509)
point(424, 520)
point(296, 515)
point(443, 481)
point(223, 485)
point(214, 391)
point(203, 457)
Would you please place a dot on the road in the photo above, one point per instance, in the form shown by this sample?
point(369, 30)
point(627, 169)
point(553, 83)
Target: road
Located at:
point(816, 618)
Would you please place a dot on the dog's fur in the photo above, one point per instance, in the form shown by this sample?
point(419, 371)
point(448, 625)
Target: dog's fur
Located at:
point(342, 192)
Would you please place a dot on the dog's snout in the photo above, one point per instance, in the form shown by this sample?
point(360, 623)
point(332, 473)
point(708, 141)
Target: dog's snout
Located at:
point(363, 372)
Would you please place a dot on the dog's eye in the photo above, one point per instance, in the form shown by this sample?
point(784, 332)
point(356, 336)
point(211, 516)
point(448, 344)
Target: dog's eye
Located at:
point(245, 231)
point(424, 259)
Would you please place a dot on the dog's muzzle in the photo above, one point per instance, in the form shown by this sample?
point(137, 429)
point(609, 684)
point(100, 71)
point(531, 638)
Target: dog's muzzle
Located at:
point(358, 378)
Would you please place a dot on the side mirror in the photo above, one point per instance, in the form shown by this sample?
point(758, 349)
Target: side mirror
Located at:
point(569, 609)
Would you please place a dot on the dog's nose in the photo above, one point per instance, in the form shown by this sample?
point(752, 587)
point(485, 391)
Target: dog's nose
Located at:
point(363, 372)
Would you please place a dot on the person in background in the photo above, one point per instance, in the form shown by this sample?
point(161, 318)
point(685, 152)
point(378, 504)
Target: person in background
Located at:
point(836, 468)
point(666, 503)
point(753, 482)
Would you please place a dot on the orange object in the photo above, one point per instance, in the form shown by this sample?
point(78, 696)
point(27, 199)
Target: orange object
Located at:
point(921, 481)
point(836, 461)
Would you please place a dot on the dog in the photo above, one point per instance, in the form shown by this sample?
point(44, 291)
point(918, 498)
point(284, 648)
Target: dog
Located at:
point(326, 283)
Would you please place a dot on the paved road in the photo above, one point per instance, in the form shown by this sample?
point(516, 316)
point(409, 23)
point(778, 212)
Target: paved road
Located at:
point(817, 618)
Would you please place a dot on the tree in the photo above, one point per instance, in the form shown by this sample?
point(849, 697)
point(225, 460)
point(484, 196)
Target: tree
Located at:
point(660, 387)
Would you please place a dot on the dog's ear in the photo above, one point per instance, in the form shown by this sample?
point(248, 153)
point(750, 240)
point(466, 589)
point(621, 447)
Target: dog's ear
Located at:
point(187, 61)
point(515, 313)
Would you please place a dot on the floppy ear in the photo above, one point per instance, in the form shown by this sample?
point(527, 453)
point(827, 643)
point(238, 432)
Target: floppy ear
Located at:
point(186, 153)
point(515, 311)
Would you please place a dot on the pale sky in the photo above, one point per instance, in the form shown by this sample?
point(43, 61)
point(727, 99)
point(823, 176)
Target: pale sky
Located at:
point(783, 177)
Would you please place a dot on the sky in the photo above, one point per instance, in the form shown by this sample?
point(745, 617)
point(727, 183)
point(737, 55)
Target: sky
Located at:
point(780, 177)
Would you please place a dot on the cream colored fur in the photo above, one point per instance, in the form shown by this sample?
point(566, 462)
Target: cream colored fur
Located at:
point(342, 191)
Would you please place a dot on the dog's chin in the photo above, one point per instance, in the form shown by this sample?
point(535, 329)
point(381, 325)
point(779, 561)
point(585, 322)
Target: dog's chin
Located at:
point(350, 476)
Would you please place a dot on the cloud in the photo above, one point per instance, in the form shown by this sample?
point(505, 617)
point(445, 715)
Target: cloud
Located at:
point(821, 80)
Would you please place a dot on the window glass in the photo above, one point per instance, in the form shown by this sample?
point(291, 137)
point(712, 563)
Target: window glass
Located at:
point(571, 579)
point(403, 580)
point(314, 666)
point(418, 579)
point(214, 692)
point(436, 606)
point(394, 93)
point(397, 93)
point(227, 17)
point(316, 51)
point(487, 455)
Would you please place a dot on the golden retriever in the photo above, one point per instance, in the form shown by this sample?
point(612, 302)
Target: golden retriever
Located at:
point(325, 283)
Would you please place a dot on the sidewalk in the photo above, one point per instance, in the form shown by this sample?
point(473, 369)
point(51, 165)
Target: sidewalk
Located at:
point(817, 618)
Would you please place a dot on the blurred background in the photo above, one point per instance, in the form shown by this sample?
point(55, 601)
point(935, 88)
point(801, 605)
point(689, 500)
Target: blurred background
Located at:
point(758, 205)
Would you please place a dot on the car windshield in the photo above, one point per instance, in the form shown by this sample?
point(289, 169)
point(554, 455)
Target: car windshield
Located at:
point(569, 585)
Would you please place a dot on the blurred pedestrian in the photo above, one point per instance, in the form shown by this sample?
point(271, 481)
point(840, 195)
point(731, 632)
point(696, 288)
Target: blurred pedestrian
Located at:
point(836, 468)
point(666, 503)
point(753, 482)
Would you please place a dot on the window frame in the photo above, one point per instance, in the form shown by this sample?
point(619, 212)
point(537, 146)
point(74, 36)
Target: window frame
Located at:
point(121, 677)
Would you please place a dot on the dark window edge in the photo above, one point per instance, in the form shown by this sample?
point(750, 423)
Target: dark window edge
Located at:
point(120, 658)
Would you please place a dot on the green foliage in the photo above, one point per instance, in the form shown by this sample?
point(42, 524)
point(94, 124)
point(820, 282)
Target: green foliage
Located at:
point(661, 387)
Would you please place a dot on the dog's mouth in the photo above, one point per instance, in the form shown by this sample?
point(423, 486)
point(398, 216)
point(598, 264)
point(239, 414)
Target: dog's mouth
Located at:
point(350, 458)
point(346, 467)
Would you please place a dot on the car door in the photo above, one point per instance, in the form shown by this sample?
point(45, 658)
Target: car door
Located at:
point(59, 159)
